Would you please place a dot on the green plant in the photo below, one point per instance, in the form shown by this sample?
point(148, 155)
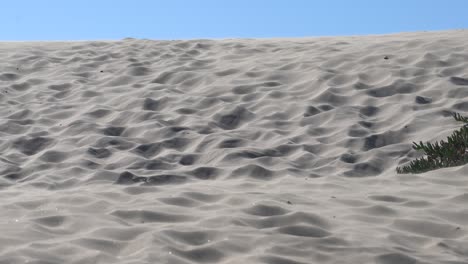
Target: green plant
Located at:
point(446, 154)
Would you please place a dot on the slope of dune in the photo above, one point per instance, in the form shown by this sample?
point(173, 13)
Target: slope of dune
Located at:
point(278, 151)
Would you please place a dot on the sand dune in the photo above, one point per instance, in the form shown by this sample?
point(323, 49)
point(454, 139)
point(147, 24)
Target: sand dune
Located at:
point(278, 151)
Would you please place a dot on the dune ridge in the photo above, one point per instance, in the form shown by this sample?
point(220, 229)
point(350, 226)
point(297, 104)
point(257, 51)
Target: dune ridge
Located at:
point(278, 151)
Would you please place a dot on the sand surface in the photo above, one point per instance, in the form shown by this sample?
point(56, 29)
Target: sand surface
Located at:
point(278, 151)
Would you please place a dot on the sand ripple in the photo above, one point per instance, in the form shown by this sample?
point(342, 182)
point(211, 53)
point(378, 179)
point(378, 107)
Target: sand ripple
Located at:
point(275, 151)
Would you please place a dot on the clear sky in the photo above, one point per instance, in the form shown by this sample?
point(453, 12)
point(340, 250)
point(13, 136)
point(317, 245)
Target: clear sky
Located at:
point(192, 19)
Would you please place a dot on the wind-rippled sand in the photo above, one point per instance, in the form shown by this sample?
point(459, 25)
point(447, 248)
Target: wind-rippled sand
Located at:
point(278, 151)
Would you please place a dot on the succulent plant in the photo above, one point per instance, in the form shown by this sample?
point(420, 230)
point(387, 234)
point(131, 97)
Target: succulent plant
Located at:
point(443, 154)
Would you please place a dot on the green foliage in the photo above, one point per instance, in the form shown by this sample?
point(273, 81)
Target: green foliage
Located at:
point(443, 154)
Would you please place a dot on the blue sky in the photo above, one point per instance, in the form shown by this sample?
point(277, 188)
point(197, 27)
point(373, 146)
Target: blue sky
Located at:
point(192, 19)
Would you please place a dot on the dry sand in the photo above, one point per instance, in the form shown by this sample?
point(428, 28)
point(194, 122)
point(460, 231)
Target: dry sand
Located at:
point(273, 151)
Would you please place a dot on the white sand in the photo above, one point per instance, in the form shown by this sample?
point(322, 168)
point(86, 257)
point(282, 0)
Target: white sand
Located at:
point(273, 151)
